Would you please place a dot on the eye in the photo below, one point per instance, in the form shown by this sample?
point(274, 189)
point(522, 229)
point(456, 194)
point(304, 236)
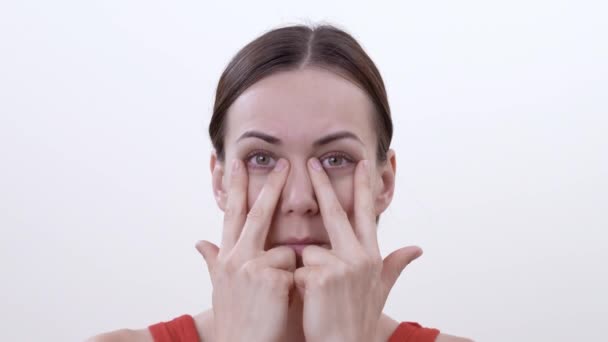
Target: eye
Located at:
point(265, 160)
point(260, 159)
point(336, 160)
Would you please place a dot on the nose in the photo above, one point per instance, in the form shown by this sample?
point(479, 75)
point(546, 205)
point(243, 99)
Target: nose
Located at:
point(298, 196)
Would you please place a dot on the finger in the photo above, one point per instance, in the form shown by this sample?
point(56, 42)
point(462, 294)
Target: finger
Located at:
point(365, 215)
point(394, 263)
point(285, 281)
point(302, 276)
point(281, 257)
point(209, 251)
point(317, 256)
point(259, 217)
point(334, 217)
point(236, 206)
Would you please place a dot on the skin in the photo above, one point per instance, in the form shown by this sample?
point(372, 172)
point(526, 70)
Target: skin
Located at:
point(316, 204)
point(331, 292)
point(275, 106)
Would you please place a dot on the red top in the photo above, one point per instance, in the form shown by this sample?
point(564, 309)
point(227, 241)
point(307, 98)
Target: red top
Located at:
point(182, 329)
point(413, 332)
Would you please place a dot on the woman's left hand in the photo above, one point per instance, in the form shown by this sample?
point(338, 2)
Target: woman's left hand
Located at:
point(344, 289)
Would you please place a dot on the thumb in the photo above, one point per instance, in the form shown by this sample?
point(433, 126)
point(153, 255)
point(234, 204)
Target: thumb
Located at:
point(395, 263)
point(209, 251)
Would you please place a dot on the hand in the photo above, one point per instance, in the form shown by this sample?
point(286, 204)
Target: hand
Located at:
point(250, 286)
point(344, 289)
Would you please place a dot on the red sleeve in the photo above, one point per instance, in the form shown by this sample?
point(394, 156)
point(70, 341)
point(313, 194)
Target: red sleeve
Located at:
point(413, 332)
point(180, 329)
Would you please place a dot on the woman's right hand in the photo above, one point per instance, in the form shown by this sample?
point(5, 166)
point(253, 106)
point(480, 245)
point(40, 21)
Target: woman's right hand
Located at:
point(250, 286)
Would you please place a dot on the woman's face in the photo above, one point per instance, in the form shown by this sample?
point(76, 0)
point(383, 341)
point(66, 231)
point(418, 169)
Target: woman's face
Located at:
point(297, 115)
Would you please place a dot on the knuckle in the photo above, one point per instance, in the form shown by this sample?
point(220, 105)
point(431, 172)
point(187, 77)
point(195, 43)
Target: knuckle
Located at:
point(345, 270)
point(368, 208)
point(369, 265)
point(286, 282)
point(275, 278)
point(222, 272)
point(277, 281)
point(377, 262)
point(364, 262)
point(233, 212)
point(256, 213)
point(227, 266)
point(324, 279)
point(336, 209)
point(250, 268)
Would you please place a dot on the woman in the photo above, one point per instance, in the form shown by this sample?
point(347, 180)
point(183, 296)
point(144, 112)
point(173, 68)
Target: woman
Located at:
point(302, 170)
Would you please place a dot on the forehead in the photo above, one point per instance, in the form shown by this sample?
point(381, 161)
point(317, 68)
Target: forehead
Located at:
point(300, 105)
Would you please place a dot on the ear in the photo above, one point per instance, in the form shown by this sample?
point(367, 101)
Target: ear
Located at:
point(386, 183)
point(217, 180)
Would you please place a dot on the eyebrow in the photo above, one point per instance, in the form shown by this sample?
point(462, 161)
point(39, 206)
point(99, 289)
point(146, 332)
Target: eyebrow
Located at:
point(319, 142)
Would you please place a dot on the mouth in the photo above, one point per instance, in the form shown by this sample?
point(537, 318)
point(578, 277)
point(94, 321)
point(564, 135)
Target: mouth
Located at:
point(298, 245)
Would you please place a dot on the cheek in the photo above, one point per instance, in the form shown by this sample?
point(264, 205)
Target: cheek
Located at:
point(343, 187)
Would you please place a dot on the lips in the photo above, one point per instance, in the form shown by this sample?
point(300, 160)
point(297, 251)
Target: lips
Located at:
point(300, 241)
point(298, 244)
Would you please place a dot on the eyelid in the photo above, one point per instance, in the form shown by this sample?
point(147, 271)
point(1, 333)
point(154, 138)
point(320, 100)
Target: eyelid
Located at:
point(339, 154)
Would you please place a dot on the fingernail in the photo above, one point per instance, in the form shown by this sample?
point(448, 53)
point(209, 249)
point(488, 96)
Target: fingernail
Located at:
point(314, 163)
point(365, 165)
point(281, 164)
point(235, 165)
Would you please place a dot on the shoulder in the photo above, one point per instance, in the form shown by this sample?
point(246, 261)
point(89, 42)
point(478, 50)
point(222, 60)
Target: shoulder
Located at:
point(388, 325)
point(123, 335)
point(202, 322)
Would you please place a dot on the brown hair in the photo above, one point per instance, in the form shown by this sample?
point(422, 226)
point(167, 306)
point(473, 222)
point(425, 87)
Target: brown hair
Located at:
point(294, 47)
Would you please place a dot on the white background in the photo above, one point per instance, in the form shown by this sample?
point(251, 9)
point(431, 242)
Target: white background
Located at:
point(500, 112)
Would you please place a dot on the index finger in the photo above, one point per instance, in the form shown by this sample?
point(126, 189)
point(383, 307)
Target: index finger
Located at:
point(260, 215)
point(365, 215)
point(334, 217)
point(236, 206)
